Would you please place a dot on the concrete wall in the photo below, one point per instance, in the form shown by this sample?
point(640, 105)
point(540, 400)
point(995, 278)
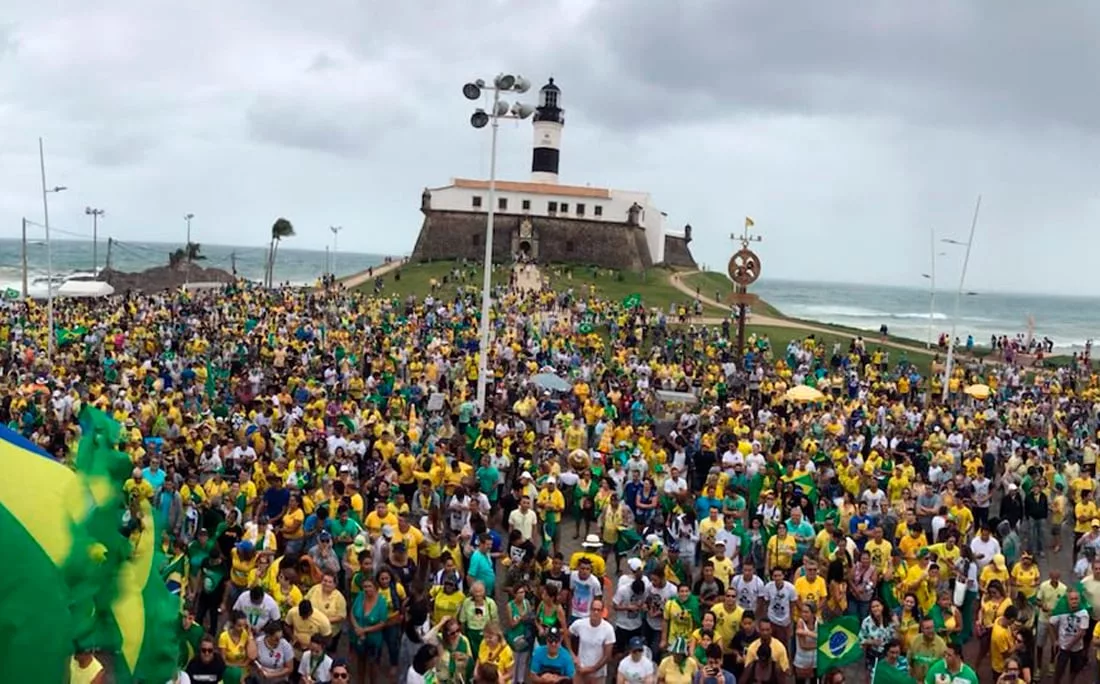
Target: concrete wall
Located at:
point(451, 235)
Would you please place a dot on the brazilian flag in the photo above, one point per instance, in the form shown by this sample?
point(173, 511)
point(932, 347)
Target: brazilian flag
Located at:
point(73, 581)
point(838, 643)
point(806, 483)
point(885, 673)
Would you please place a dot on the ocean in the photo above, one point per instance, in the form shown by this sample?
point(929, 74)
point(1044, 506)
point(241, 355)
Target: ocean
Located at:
point(1069, 321)
point(299, 266)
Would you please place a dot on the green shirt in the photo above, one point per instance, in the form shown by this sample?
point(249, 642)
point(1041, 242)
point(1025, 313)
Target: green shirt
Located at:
point(923, 655)
point(938, 674)
point(487, 479)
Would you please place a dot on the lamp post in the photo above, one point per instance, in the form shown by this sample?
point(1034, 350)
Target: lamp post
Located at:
point(932, 288)
point(95, 214)
point(958, 297)
point(500, 109)
point(335, 242)
point(187, 248)
point(49, 249)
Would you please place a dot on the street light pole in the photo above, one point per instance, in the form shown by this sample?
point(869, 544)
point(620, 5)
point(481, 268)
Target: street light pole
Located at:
point(958, 298)
point(49, 249)
point(335, 243)
point(95, 214)
point(499, 110)
point(187, 248)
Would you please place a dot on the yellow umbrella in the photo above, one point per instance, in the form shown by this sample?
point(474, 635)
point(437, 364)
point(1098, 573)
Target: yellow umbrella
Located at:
point(803, 393)
point(978, 391)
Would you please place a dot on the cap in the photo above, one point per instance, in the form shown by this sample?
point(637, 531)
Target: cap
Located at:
point(1096, 522)
point(592, 541)
point(400, 546)
point(999, 561)
point(360, 543)
point(526, 476)
point(387, 531)
point(325, 537)
point(553, 634)
point(634, 564)
point(719, 542)
point(551, 480)
point(450, 578)
point(637, 643)
point(678, 646)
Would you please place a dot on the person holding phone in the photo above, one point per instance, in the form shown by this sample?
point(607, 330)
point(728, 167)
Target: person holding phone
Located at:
point(713, 672)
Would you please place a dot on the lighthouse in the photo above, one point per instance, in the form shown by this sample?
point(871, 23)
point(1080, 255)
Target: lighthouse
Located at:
point(548, 121)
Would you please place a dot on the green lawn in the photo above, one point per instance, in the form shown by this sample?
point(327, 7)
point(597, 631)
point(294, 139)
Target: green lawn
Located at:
point(780, 337)
point(653, 285)
point(718, 286)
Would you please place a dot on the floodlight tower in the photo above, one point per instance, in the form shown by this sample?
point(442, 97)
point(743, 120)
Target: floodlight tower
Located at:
point(500, 109)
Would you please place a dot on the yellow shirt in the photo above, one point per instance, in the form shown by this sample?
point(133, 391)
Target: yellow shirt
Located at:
point(335, 607)
point(304, 628)
point(880, 554)
point(1084, 513)
point(551, 504)
point(677, 673)
point(501, 656)
point(289, 519)
point(812, 592)
point(1001, 644)
point(375, 522)
point(445, 605)
point(1026, 580)
point(728, 623)
point(85, 675)
point(235, 653)
point(680, 621)
point(909, 545)
point(781, 552)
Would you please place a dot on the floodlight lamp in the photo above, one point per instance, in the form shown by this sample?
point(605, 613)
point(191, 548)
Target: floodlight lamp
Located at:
point(522, 110)
point(522, 85)
point(501, 108)
point(472, 91)
point(505, 81)
point(88, 211)
point(479, 119)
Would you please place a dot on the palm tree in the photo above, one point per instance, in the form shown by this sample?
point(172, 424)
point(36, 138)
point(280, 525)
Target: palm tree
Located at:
point(282, 228)
point(194, 250)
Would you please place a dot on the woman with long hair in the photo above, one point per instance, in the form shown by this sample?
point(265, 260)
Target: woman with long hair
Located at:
point(495, 651)
point(369, 614)
point(909, 617)
point(518, 621)
point(805, 645)
point(878, 629)
point(549, 614)
point(396, 598)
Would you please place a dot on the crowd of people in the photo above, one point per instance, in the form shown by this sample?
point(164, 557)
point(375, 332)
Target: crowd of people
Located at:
point(333, 506)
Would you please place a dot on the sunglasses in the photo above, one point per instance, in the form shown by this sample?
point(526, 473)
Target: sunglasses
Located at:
point(454, 632)
point(339, 675)
point(206, 650)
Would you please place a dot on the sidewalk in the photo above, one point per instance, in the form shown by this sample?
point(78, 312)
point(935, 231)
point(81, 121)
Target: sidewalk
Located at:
point(358, 279)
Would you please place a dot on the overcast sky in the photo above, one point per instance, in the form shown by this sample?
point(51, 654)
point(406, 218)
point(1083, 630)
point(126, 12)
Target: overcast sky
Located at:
point(846, 129)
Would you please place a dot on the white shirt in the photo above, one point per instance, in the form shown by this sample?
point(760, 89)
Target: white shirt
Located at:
point(984, 550)
point(591, 641)
point(628, 620)
point(779, 602)
point(636, 671)
point(1069, 626)
point(747, 592)
point(260, 615)
point(323, 674)
point(524, 523)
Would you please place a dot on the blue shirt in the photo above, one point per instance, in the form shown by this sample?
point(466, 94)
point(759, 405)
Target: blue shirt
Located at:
point(542, 663)
point(481, 568)
point(155, 479)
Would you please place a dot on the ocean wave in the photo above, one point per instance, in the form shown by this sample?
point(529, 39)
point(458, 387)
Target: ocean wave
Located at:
point(829, 311)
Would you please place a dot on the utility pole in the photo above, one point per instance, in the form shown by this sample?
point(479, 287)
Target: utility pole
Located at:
point(49, 249)
point(110, 241)
point(233, 261)
point(187, 247)
point(95, 214)
point(335, 236)
point(24, 258)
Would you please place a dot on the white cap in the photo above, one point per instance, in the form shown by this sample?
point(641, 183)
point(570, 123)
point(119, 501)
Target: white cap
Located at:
point(634, 564)
point(387, 531)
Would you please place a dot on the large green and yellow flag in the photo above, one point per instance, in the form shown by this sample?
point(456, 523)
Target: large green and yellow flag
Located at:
point(838, 643)
point(806, 483)
point(73, 580)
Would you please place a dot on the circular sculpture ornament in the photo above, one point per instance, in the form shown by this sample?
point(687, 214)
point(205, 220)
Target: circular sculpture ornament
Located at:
point(744, 267)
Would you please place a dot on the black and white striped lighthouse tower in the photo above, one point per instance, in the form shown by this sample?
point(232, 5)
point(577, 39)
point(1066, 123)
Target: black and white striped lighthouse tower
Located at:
point(549, 119)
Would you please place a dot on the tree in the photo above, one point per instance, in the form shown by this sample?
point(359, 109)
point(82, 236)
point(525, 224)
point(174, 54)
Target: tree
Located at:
point(194, 250)
point(282, 228)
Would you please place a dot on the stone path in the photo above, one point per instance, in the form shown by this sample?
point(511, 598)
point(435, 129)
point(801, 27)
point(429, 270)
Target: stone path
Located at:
point(361, 277)
point(528, 278)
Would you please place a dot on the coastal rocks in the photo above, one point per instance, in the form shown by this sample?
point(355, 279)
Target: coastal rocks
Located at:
point(164, 277)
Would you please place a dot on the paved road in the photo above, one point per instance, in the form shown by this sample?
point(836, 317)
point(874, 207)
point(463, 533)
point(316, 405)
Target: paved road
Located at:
point(358, 279)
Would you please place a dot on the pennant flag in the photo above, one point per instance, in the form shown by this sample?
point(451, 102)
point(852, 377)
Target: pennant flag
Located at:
point(806, 483)
point(11, 293)
point(749, 223)
point(838, 643)
point(885, 673)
